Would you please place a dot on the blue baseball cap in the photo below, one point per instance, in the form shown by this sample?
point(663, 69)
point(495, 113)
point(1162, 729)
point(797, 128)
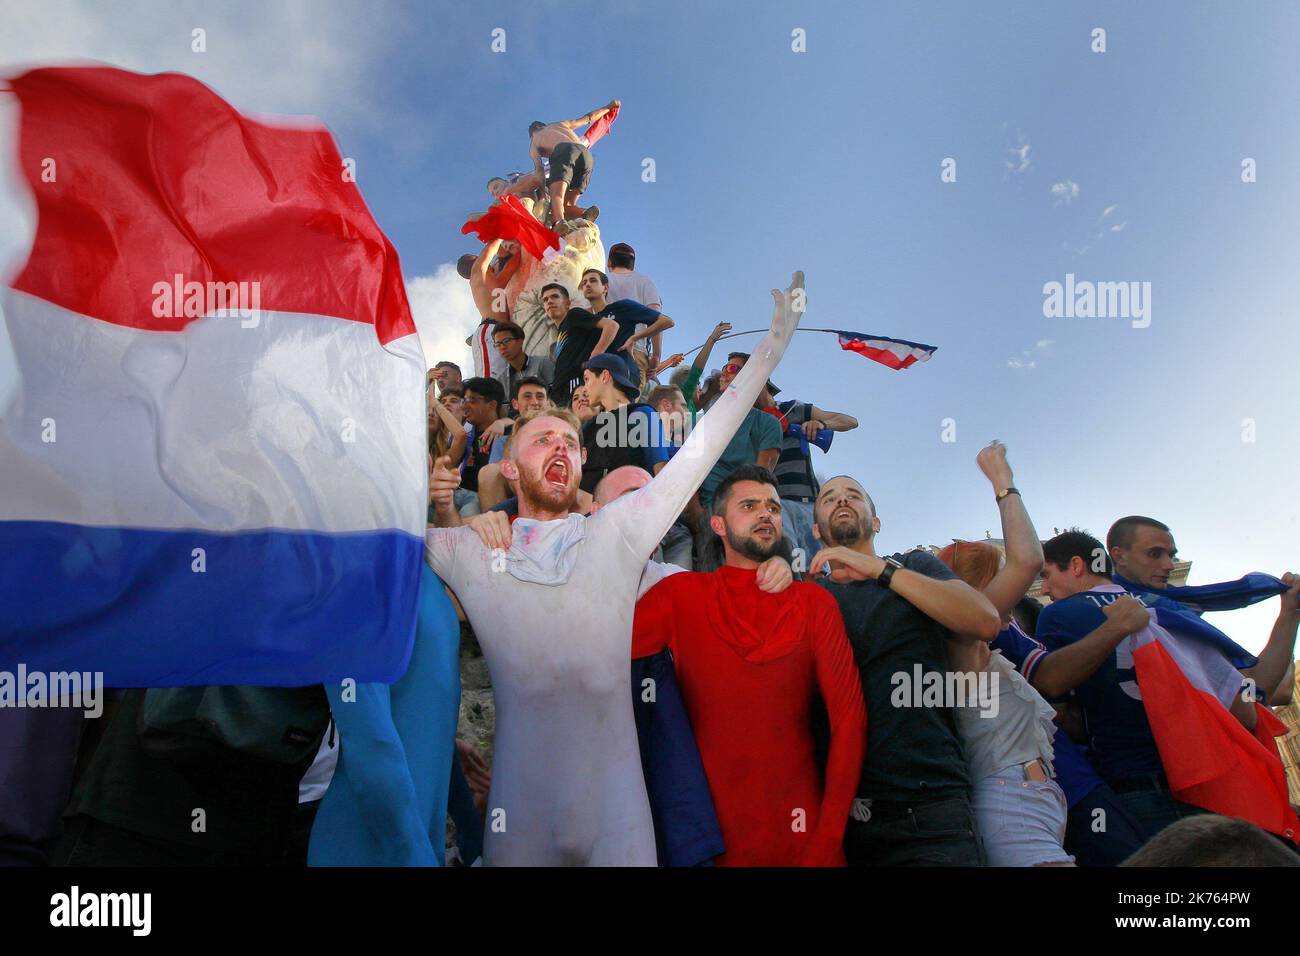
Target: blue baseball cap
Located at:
point(617, 368)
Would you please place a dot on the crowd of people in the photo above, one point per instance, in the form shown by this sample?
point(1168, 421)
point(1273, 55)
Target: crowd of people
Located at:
point(698, 654)
point(1058, 769)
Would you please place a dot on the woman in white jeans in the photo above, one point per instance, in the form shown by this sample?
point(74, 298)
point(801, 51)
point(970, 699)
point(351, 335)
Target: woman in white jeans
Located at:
point(1007, 732)
point(1007, 727)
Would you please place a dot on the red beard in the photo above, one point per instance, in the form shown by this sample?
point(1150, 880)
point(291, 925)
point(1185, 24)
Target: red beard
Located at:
point(540, 494)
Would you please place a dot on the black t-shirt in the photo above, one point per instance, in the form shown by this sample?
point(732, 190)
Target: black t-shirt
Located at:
point(578, 335)
point(248, 803)
point(477, 455)
point(629, 435)
point(914, 753)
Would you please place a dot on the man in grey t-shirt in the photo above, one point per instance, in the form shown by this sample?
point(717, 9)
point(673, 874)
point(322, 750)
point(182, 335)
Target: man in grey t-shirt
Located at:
point(626, 283)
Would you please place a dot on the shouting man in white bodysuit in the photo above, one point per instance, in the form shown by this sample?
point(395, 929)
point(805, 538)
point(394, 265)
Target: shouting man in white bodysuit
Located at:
point(554, 618)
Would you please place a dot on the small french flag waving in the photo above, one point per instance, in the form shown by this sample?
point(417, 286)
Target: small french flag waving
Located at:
point(896, 353)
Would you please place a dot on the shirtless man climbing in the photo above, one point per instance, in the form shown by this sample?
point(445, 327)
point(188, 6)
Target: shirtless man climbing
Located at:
point(570, 162)
point(558, 646)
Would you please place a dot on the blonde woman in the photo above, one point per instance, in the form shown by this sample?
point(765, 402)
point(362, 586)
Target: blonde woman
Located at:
point(447, 436)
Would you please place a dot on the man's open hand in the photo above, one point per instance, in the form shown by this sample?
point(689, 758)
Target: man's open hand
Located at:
point(847, 564)
point(493, 529)
point(788, 308)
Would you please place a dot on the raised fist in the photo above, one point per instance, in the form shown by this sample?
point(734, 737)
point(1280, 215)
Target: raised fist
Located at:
point(992, 460)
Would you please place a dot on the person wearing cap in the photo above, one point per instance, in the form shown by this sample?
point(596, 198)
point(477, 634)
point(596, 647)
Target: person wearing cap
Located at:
point(626, 283)
point(636, 322)
point(626, 432)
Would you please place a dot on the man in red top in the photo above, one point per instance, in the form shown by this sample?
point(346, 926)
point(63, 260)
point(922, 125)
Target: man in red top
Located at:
point(749, 665)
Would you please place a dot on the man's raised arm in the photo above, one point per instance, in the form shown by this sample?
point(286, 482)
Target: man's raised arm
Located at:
point(588, 118)
point(646, 515)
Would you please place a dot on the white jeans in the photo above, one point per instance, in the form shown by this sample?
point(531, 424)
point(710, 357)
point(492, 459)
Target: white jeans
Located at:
point(1022, 822)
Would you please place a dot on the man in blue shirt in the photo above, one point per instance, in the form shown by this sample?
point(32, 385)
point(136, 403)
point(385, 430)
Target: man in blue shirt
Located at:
point(635, 321)
point(1085, 630)
point(1143, 552)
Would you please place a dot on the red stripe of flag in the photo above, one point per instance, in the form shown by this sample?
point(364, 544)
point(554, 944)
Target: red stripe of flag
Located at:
point(157, 176)
point(1209, 758)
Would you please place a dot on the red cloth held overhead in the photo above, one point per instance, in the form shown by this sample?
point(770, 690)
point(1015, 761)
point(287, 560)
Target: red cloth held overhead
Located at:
point(1210, 759)
point(749, 664)
point(507, 219)
point(599, 128)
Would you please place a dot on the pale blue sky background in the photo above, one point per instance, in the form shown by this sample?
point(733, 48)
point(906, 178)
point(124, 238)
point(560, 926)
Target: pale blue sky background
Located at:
point(829, 161)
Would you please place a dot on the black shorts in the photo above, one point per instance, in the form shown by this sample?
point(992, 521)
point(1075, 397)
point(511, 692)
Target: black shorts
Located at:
point(571, 164)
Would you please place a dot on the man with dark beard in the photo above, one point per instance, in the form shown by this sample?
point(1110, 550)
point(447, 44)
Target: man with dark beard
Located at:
point(913, 806)
point(750, 665)
point(558, 653)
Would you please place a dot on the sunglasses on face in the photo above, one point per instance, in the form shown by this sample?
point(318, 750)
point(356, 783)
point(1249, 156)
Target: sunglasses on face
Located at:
point(731, 368)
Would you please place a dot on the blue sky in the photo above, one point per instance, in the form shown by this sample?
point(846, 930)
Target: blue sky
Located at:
point(829, 161)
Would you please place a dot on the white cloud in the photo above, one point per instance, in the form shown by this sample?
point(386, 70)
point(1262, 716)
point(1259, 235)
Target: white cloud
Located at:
point(1064, 193)
point(1021, 160)
point(290, 56)
point(444, 315)
point(1099, 229)
point(1029, 357)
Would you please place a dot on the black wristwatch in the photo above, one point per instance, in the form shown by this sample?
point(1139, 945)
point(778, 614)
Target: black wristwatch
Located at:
point(887, 574)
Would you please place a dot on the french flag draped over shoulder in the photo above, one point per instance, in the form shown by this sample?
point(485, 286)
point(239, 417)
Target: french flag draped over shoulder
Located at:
point(213, 463)
point(1188, 674)
point(1210, 759)
point(895, 353)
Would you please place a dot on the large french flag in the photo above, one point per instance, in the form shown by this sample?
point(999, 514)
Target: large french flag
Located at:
point(895, 353)
point(193, 494)
point(1210, 759)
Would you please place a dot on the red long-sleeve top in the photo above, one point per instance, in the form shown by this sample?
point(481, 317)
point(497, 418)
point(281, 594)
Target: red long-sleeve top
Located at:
point(749, 664)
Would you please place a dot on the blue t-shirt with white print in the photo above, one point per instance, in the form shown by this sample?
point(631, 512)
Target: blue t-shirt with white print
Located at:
point(1118, 730)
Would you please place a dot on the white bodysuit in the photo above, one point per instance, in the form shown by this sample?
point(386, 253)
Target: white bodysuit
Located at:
point(554, 618)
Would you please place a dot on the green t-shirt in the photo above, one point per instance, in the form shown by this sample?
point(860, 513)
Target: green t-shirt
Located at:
point(689, 387)
point(758, 432)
